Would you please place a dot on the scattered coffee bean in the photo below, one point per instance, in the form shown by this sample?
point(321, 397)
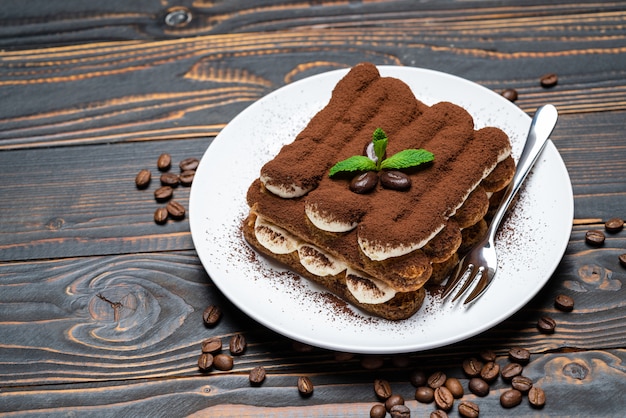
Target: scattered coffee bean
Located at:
point(443, 398)
point(438, 414)
point(394, 400)
point(378, 411)
point(169, 179)
point(614, 225)
point(382, 388)
point(522, 383)
point(300, 347)
point(237, 345)
point(257, 375)
point(205, 361)
point(305, 386)
point(364, 183)
point(175, 209)
point(342, 357)
point(595, 238)
point(163, 193)
point(418, 378)
point(536, 397)
point(511, 370)
point(469, 409)
point(478, 386)
point(549, 80)
point(564, 303)
point(400, 411)
point(164, 162)
point(488, 355)
point(223, 362)
point(400, 361)
point(519, 355)
point(189, 164)
point(212, 345)
point(160, 215)
point(490, 371)
point(546, 325)
point(622, 259)
point(472, 367)
point(395, 180)
point(509, 94)
point(436, 380)
point(454, 386)
point(186, 177)
point(424, 394)
point(212, 315)
point(372, 362)
point(142, 180)
point(510, 398)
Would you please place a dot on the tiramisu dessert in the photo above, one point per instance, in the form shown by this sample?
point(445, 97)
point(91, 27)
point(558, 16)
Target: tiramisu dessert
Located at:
point(378, 194)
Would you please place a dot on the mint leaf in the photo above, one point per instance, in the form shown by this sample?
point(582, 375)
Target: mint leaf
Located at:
point(354, 163)
point(407, 158)
point(380, 140)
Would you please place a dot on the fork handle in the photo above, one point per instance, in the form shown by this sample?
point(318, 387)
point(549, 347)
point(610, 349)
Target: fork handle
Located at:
point(541, 127)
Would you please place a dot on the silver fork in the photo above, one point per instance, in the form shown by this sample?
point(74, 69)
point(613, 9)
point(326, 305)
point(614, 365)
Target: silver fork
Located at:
point(481, 262)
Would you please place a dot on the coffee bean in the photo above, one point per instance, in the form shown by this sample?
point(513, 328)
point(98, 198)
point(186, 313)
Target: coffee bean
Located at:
point(510, 398)
point(400, 411)
point(211, 345)
point(622, 259)
point(438, 414)
point(382, 388)
point(394, 400)
point(549, 80)
point(424, 394)
point(169, 179)
point(469, 409)
point(546, 325)
point(186, 177)
point(378, 411)
point(300, 347)
point(488, 355)
point(443, 398)
point(509, 94)
point(418, 378)
point(536, 397)
point(395, 180)
point(478, 386)
point(564, 303)
point(400, 361)
point(436, 380)
point(164, 162)
point(163, 193)
point(223, 362)
point(257, 375)
point(175, 209)
point(595, 238)
point(205, 361)
point(189, 164)
point(343, 357)
point(511, 370)
point(364, 183)
point(490, 371)
point(372, 362)
point(160, 215)
point(237, 345)
point(212, 315)
point(522, 383)
point(614, 225)
point(519, 355)
point(305, 386)
point(472, 367)
point(142, 180)
point(454, 386)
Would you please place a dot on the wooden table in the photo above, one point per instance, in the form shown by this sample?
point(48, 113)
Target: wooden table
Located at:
point(101, 309)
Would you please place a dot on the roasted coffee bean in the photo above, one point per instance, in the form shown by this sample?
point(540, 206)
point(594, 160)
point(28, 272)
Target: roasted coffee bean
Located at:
point(614, 225)
point(395, 180)
point(622, 259)
point(186, 177)
point(511, 370)
point(424, 394)
point(469, 409)
point(454, 386)
point(400, 361)
point(546, 325)
point(164, 162)
point(372, 362)
point(300, 347)
point(257, 375)
point(478, 386)
point(212, 345)
point(510, 398)
point(364, 183)
point(163, 193)
point(488, 355)
point(549, 80)
point(189, 164)
point(490, 371)
point(237, 345)
point(378, 411)
point(595, 238)
point(509, 94)
point(472, 367)
point(160, 215)
point(169, 179)
point(519, 355)
point(223, 362)
point(436, 380)
point(205, 361)
point(418, 378)
point(305, 386)
point(564, 303)
point(175, 209)
point(394, 400)
point(438, 414)
point(536, 397)
point(212, 315)
point(342, 357)
point(400, 411)
point(443, 398)
point(142, 180)
point(522, 383)
point(382, 388)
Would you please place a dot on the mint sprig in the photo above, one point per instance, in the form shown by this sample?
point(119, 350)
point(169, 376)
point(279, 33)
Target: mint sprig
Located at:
point(404, 159)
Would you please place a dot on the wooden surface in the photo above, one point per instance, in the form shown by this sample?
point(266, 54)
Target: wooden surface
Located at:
point(101, 309)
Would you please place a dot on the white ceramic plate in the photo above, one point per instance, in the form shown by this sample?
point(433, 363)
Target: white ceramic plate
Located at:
point(530, 244)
